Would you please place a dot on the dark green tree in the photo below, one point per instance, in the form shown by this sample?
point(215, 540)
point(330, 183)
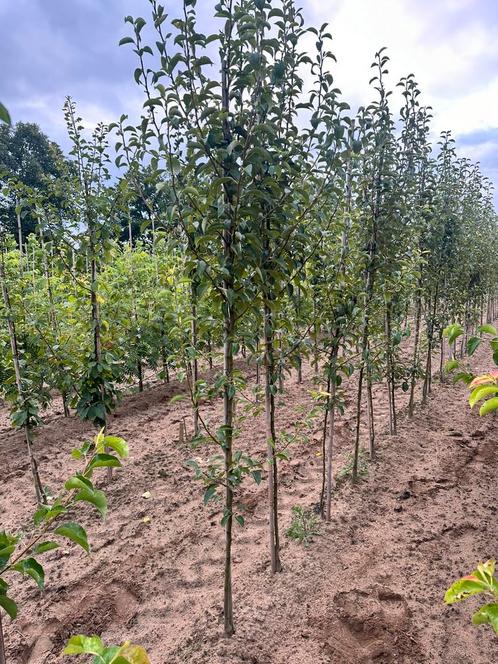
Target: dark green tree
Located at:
point(30, 159)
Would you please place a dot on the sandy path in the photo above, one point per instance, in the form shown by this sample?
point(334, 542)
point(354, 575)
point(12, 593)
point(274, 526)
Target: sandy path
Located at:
point(368, 590)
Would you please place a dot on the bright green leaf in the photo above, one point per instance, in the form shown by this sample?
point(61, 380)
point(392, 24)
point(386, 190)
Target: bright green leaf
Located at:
point(75, 533)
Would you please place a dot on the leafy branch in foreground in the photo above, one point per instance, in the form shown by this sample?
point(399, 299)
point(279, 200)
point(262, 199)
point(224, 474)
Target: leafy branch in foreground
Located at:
point(92, 645)
point(485, 386)
point(481, 581)
point(19, 553)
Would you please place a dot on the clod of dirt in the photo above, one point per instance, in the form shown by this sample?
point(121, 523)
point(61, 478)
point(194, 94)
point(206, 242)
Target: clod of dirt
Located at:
point(373, 626)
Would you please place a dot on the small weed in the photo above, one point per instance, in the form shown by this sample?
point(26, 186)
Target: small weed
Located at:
point(304, 526)
point(347, 470)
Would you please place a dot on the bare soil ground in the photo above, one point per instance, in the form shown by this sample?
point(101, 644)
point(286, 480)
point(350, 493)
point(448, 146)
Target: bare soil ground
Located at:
point(368, 589)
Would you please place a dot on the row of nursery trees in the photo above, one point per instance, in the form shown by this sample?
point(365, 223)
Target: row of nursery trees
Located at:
point(278, 227)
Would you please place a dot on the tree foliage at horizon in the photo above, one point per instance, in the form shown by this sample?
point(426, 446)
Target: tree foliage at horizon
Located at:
point(256, 218)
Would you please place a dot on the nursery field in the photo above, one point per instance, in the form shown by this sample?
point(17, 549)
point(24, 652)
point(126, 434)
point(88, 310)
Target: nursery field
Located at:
point(368, 588)
point(248, 356)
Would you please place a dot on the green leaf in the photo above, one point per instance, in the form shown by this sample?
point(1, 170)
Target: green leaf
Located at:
point(256, 475)
point(452, 332)
point(104, 461)
point(451, 365)
point(80, 644)
point(78, 482)
point(465, 376)
point(126, 40)
point(489, 406)
point(463, 588)
point(480, 392)
point(31, 567)
point(43, 547)
point(131, 654)
point(75, 533)
point(139, 24)
point(487, 615)
point(94, 497)
point(110, 656)
point(4, 114)
point(5, 554)
point(119, 445)
point(210, 493)
point(472, 344)
point(8, 605)
point(488, 329)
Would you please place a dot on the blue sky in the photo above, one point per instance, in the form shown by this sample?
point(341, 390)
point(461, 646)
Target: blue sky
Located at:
point(52, 48)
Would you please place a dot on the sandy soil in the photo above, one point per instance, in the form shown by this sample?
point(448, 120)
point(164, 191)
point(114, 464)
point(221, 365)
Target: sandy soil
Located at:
point(368, 589)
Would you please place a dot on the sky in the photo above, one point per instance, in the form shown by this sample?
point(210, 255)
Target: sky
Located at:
point(53, 48)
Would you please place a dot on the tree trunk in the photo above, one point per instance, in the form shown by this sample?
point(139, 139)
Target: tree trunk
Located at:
point(95, 309)
point(19, 232)
point(370, 414)
point(324, 453)
point(140, 374)
point(418, 314)
point(40, 495)
point(390, 369)
point(195, 363)
point(299, 370)
point(210, 351)
point(358, 422)
point(228, 403)
point(441, 357)
point(65, 406)
point(316, 353)
point(270, 385)
point(430, 344)
point(3, 656)
point(331, 432)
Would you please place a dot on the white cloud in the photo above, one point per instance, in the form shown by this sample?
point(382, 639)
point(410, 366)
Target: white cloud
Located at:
point(447, 45)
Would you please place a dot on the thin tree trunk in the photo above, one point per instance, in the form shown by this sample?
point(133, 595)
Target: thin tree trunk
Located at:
point(228, 424)
point(40, 495)
point(229, 331)
point(281, 369)
point(19, 233)
point(210, 351)
point(390, 370)
point(3, 656)
point(324, 453)
point(418, 313)
point(358, 422)
point(441, 357)
point(140, 374)
point(130, 236)
point(95, 309)
point(65, 406)
point(195, 363)
point(331, 432)
point(270, 384)
point(316, 354)
point(430, 342)
point(370, 414)
point(299, 370)
point(369, 291)
point(258, 368)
